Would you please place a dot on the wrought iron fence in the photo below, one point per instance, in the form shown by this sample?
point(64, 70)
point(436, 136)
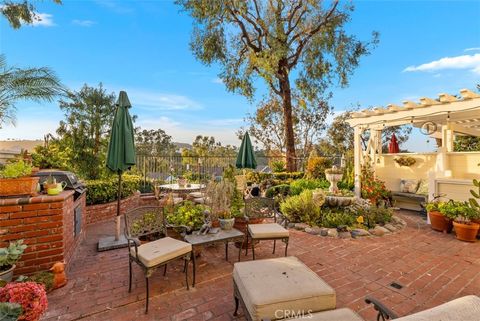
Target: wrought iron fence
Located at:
point(199, 168)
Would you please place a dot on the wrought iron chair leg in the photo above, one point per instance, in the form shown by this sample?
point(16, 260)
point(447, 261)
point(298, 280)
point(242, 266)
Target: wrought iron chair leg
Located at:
point(253, 248)
point(194, 268)
point(274, 244)
point(129, 275)
point(148, 295)
point(185, 266)
point(286, 247)
point(187, 260)
point(235, 313)
point(165, 270)
point(246, 246)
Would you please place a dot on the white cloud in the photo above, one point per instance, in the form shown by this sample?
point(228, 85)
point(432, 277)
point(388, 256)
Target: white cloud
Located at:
point(473, 49)
point(83, 23)
point(469, 62)
point(43, 20)
point(217, 80)
point(151, 100)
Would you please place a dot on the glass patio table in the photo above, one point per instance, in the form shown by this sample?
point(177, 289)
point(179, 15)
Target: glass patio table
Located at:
point(225, 236)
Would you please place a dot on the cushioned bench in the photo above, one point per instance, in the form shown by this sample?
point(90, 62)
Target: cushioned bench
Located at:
point(278, 288)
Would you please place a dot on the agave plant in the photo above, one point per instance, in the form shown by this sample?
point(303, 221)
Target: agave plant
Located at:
point(476, 194)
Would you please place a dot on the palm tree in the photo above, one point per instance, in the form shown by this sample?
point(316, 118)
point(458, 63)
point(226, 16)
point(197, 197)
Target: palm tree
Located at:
point(36, 84)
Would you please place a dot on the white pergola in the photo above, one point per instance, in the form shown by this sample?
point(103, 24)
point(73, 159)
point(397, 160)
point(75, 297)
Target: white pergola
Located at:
point(446, 117)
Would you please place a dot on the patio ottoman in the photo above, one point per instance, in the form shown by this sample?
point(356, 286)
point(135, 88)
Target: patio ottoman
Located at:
point(280, 288)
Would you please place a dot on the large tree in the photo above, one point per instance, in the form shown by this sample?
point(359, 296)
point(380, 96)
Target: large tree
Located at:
point(19, 13)
point(267, 127)
point(36, 84)
point(153, 142)
point(280, 41)
point(88, 116)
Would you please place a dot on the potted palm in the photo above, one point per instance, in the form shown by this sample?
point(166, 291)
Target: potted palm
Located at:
point(8, 257)
point(15, 180)
point(438, 221)
point(462, 215)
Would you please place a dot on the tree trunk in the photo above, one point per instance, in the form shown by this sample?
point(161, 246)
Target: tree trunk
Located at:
point(286, 93)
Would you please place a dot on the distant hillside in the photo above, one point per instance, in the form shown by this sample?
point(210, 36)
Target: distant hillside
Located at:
point(19, 145)
point(182, 145)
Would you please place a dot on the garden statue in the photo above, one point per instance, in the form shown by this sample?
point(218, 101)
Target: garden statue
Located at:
point(207, 225)
point(59, 278)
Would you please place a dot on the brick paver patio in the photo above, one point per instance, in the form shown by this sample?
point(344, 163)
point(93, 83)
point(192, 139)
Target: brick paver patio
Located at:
point(432, 267)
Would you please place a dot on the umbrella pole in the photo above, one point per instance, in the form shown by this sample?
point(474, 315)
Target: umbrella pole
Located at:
point(119, 197)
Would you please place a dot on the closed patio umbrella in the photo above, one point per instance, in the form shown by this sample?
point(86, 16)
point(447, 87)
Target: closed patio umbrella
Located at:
point(120, 157)
point(246, 155)
point(393, 145)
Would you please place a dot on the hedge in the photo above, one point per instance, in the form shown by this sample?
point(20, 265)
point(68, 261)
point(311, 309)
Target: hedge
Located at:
point(102, 191)
point(284, 177)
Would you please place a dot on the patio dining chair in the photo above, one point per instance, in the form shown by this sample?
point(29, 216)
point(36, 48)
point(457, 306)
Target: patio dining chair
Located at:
point(264, 208)
point(149, 221)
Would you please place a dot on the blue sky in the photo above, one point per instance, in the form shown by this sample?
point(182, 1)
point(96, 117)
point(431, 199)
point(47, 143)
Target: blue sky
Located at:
point(426, 47)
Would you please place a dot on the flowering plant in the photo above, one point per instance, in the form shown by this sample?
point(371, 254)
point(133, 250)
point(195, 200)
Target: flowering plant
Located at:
point(373, 188)
point(30, 295)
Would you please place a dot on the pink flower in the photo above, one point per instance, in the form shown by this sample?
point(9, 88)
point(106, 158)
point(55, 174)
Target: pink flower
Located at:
point(30, 295)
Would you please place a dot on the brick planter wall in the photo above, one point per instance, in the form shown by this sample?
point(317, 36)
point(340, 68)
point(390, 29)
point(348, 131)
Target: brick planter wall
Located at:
point(46, 224)
point(105, 212)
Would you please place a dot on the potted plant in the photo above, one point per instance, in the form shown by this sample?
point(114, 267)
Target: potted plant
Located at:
point(405, 161)
point(50, 182)
point(8, 257)
point(462, 214)
point(30, 295)
point(438, 221)
point(226, 220)
point(15, 180)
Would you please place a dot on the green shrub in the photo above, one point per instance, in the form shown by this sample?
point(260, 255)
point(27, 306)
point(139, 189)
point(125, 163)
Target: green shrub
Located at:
point(278, 166)
point(187, 214)
point(102, 191)
point(335, 218)
point(301, 208)
point(316, 167)
point(377, 215)
point(50, 156)
point(299, 185)
point(16, 169)
point(281, 178)
point(283, 189)
point(10, 311)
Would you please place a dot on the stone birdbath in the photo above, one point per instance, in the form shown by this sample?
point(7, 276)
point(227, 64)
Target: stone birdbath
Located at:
point(334, 175)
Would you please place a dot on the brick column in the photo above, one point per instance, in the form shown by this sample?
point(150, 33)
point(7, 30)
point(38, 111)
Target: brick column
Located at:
point(46, 224)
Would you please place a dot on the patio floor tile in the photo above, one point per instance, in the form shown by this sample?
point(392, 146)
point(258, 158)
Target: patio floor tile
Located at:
point(432, 267)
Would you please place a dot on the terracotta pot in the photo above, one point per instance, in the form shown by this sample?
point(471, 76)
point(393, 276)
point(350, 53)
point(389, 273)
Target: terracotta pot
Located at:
point(466, 232)
point(478, 222)
point(216, 223)
point(19, 186)
point(439, 222)
point(241, 225)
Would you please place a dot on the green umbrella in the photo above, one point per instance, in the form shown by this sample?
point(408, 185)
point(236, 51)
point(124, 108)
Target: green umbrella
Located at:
point(246, 156)
point(121, 148)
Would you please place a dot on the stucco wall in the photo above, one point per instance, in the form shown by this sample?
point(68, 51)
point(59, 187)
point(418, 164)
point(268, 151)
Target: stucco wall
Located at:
point(390, 172)
point(464, 165)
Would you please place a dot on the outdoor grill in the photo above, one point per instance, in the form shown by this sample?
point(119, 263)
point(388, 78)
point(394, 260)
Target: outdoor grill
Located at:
point(73, 183)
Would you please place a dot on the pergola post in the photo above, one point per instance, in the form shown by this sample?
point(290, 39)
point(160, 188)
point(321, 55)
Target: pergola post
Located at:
point(357, 159)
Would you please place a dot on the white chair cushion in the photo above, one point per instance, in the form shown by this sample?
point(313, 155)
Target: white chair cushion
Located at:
point(200, 200)
point(466, 308)
point(343, 314)
point(159, 251)
point(196, 194)
point(285, 284)
point(267, 230)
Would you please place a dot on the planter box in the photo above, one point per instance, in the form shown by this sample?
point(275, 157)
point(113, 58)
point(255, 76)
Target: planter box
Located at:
point(22, 186)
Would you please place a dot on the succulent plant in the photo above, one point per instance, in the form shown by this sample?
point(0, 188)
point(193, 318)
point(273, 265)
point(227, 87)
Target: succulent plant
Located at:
point(11, 254)
point(476, 194)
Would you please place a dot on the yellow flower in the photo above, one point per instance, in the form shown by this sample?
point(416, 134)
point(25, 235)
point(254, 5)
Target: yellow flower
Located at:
point(360, 219)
